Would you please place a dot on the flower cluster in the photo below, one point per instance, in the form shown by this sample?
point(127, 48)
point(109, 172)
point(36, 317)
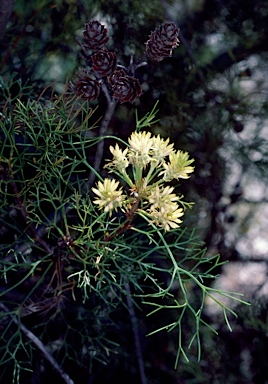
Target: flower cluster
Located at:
point(103, 65)
point(146, 165)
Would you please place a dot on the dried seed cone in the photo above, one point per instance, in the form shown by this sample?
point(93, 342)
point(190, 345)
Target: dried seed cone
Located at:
point(115, 77)
point(86, 86)
point(95, 35)
point(104, 62)
point(162, 41)
point(125, 88)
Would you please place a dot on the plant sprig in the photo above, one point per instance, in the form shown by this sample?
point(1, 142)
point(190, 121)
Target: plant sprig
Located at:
point(148, 119)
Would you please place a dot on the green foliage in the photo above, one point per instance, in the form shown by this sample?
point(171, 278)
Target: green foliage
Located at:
point(147, 120)
point(56, 248)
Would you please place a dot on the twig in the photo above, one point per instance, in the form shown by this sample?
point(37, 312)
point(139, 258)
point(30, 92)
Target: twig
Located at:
point(38, 343)
point(130, 216)
point(135, 329)
point(103, 128)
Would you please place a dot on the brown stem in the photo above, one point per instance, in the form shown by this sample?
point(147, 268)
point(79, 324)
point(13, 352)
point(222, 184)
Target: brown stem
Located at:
point(118, 232)
point(130, 216)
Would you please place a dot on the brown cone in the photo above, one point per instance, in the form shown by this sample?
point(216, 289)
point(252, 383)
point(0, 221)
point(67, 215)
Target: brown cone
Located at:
point(104, 62)
point(126, 88)
point(95, 35)
point(86, 86)
point(162, 41)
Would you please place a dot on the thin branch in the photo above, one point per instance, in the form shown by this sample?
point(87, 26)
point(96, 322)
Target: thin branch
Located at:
point(130, 214)
point(100, 147)
point(135, 329)
point(38, 343)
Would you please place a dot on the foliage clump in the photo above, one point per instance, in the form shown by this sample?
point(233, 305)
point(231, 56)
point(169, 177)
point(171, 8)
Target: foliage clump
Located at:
point(73, 264)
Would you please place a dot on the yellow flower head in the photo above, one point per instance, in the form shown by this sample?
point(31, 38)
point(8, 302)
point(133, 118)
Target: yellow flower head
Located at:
point(120, 161)
point(178, 166)
point(109, 198)
point(166, 215)
point(162, 196)
point(141, 141)
point(140, 147)
point(161, 148)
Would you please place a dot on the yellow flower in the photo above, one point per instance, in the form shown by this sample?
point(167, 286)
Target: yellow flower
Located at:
point(178, 166)
point(161, 148)
point(140, 147)
point(166, 215)
point(109, 198)
point(141, 141)
point(162, 196)
point(120, 161)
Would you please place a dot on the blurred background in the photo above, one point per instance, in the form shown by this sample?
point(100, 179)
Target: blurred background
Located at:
point(213, 102)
